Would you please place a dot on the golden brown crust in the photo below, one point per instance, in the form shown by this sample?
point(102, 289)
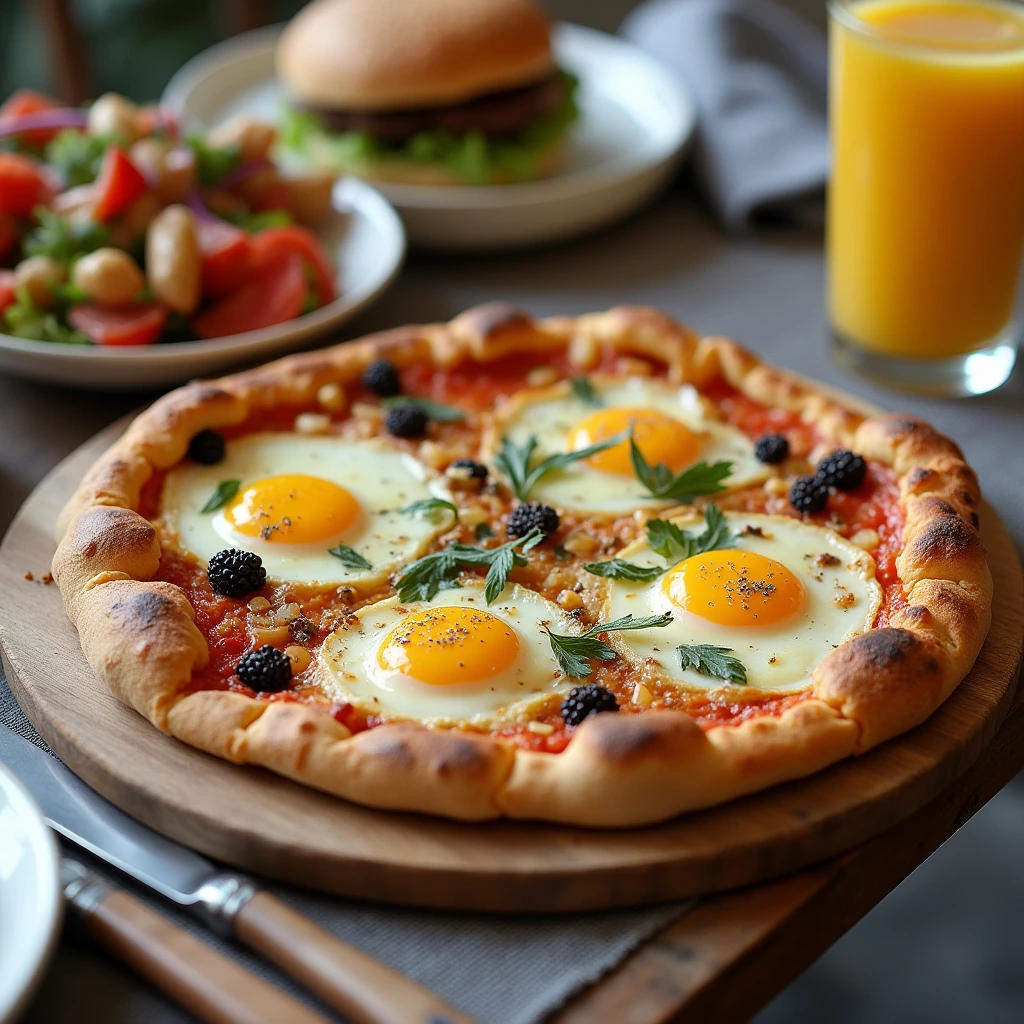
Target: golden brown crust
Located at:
point(623, 769)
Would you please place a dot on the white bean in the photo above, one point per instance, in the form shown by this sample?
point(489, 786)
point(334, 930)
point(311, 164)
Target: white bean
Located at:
point(37, 275)
point(252, 138)
point(109, 277)
point(172, 259)
point(112, 114)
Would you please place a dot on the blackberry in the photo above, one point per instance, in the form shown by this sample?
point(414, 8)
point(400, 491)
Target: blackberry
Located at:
point(772, 449)
point(842, 470)
point(584, 701)
point(235, 573)
point(406, 421)
point(467, 469)
point(381, 377)
point(808, 494)
point(529, 515)
point(267, 670)
point(206, 447)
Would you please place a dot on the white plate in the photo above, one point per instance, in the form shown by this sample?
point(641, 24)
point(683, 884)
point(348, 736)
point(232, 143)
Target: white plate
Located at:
point(363, 236)
point(636, 120)
point(31, 906)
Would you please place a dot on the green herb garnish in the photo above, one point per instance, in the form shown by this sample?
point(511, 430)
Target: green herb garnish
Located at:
point(669, 541)
point(77, 156)
point(63, 239)
point(514, 461)
point(617, 569)
point(425, 577)
point(483, 531)
point(434, 410)
point(712, 661)
point(429, 507)
point(574, 652)
point(23, 319)
point(213, 162)
point(226, 490)
point(349, 558)
point(693, 482)
point(584, 391)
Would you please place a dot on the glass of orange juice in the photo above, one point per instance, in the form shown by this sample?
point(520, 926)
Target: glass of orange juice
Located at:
point(926, 199)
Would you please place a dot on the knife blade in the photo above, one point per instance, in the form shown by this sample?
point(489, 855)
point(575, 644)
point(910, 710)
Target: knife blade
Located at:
point(363, 989)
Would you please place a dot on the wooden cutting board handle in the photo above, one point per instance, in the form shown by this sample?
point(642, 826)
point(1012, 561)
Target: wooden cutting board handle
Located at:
point(363, 989)
point(193, 974)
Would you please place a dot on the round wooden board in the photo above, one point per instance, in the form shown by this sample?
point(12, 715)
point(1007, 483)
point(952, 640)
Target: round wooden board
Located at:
point(266, 824)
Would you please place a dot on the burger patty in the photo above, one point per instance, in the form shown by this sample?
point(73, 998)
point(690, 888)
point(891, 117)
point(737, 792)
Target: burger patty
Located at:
point(498, 113)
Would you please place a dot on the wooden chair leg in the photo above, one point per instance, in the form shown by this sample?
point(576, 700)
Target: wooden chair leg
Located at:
point(66, 50)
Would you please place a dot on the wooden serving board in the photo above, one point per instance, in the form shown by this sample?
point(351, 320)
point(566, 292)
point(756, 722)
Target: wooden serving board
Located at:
point(266, 824)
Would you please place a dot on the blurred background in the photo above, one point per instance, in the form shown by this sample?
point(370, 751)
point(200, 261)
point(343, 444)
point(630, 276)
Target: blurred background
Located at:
point(945, 945)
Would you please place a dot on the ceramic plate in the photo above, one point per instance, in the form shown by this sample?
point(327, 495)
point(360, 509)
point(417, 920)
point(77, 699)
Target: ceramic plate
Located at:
point(636, 120)
point(31, 906)
point(363, 236)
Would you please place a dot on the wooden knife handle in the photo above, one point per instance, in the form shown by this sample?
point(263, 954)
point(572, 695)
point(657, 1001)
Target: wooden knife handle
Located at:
point(363, 989)
point(208, 985)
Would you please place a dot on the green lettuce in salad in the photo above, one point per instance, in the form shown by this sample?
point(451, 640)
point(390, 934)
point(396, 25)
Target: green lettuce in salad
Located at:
point(474, 157)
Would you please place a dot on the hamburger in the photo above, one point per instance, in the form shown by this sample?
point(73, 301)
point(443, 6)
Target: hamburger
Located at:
point(430, 92)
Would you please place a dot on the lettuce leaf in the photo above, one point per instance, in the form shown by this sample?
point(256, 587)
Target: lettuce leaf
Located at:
point(475, 158)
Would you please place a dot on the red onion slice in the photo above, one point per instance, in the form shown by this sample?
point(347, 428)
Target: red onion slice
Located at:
point(65, 117)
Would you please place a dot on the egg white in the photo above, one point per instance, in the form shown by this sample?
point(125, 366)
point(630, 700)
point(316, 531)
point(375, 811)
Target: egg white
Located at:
point(382, 480)
point(550, 414)
point(349, 670)
point(779, 656)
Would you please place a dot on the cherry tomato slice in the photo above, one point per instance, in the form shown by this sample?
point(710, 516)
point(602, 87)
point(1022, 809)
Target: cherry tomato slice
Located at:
point(28, 101)
point(24, 184)
point(271, 241)
point(132, 325)
point(225, 252)
point(119, 184)
point(7, 295)
point(271, 294)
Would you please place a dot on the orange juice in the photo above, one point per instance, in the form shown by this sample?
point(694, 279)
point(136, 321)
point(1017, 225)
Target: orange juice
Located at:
point(926, 201)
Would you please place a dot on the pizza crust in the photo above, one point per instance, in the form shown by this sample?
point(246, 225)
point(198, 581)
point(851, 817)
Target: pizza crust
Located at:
point(618, 770)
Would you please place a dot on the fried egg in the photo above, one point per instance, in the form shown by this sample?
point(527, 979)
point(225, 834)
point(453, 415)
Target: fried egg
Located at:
point(449, 659)
point(780, 598)
point(299, 497)
point(670, 425)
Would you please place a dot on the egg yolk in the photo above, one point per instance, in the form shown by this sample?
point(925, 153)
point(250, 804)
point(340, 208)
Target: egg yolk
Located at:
point(734, 588)
point(293, 509)
point(660, 438)
point(449, 646)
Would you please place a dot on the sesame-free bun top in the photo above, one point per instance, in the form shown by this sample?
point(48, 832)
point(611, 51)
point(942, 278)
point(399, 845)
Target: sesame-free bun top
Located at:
point(380, 55)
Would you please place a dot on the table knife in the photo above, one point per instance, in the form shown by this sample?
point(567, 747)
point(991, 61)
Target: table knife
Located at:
point(210, 986)
point(232, 905)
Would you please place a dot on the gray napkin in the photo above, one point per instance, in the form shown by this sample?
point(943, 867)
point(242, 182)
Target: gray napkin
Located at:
point(758, 73)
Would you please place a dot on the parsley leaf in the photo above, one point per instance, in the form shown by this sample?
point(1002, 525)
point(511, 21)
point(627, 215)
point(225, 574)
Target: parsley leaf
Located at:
point(425, 577)
point(514, 461)
point(226, 490)
point(213, 162)
point(712, 661)
point(667, 540)
point(435, 410)
point(77, 156)
point(349, 558)
point(574, 653)
point(61, 238)
point(691, 483)
point(429, 506)
point(617, 569)
point(23, 319)
point(584, 391)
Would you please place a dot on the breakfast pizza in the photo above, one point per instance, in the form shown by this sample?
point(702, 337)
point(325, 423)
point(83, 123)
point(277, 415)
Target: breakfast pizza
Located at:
point(595, 570)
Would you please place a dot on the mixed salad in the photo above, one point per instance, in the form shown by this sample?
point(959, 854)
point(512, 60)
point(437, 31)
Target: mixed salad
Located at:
point(115, 230)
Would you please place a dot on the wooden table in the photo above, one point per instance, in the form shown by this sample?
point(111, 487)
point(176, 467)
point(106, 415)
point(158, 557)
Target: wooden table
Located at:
point(729, 956)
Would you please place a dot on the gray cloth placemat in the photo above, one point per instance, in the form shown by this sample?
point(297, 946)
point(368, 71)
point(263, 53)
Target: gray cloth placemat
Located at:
point(758, 74)
point(502, 969)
